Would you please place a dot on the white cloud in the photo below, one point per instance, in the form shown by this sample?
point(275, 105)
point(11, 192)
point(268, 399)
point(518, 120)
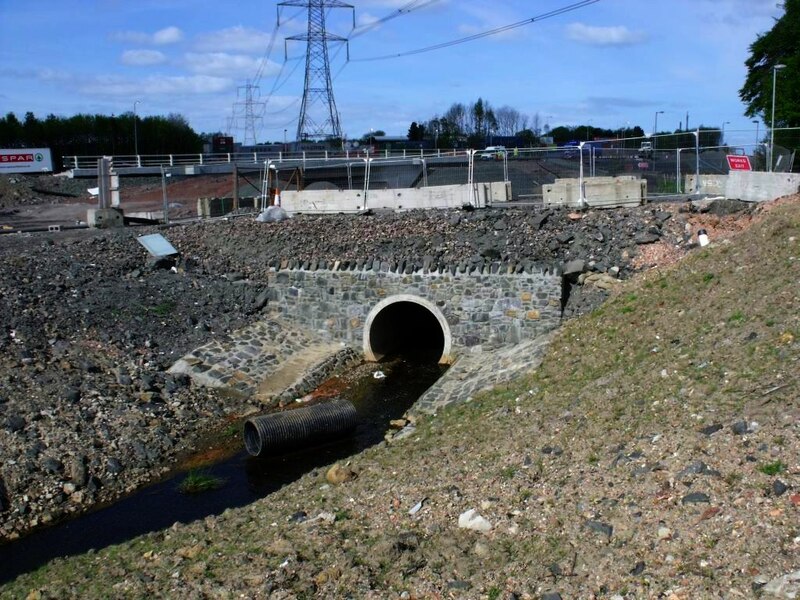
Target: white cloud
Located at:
point(162, 37)
point(603, 36)
point(168, 35)
point(155, 86)
point(223, 64)
point(142, 58)
point(235, 39)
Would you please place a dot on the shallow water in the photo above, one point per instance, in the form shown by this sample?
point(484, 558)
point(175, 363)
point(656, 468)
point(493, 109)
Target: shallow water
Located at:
point(246, 479)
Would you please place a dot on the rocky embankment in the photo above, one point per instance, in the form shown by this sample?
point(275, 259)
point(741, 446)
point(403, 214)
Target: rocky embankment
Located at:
point(88, 326)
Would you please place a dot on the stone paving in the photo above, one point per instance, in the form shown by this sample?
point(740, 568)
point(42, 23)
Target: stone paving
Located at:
point(250, 356)
point(254, 362)
point(481, 371)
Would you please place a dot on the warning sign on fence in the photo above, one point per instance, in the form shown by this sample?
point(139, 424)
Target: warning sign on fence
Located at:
point(739, 163)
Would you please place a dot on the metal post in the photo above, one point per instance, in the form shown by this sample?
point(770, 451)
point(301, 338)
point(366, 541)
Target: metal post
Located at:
point(164, 194)
point(580, 177)
point(775, 70)
point(678, 172)
point(235, 186)
point(135, 128)
point(697, 159)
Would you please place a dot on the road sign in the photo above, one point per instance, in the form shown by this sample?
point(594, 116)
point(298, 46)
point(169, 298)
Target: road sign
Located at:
point(739, 163)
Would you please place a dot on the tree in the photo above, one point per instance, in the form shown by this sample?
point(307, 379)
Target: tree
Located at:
point(780, 45)
point(416, 133)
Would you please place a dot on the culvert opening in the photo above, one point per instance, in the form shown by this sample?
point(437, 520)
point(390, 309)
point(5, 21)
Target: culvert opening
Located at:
point(408, 329)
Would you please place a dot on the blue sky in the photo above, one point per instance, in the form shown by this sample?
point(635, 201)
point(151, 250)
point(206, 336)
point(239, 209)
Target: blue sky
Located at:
point(613, 63)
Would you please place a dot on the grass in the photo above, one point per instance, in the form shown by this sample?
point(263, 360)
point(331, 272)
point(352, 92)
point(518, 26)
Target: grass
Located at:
point(773, 468)
point(200, 480)
point(162, 309)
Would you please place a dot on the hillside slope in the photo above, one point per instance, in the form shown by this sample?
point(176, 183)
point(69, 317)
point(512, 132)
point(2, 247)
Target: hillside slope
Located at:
point(654, 454)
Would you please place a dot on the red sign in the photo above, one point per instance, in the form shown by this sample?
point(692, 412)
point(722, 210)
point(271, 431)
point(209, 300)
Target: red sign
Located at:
point(16, 157)
point(739, 163)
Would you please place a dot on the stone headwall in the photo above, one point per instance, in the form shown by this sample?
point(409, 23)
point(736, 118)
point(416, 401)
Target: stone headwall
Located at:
point(482, 310)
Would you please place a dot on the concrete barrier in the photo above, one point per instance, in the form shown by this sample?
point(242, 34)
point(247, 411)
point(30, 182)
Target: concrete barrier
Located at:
point(599, 192)
point(216, 207)
point(754, 186)
point(713, 185)
point(353, 201)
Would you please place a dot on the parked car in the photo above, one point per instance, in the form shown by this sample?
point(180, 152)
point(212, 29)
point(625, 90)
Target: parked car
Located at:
point(492, 153)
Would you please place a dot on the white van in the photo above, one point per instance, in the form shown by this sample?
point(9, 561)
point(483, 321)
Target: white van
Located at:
point(492, 153)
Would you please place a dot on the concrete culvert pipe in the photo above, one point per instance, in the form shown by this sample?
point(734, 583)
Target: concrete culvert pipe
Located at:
point(292, 429)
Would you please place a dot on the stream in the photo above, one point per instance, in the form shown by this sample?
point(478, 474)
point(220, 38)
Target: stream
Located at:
point(246, 479)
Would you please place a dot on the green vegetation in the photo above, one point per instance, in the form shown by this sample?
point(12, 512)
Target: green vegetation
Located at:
point(773, 468)
point(198, 481)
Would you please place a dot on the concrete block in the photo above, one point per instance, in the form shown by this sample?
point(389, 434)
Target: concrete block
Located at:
point(105, 217)
point(600, 192)
point(755, 186)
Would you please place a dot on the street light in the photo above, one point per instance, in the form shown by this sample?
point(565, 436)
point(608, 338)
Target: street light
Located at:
point(135, 132)
point(722, 135)
point(756, 121)
point(775, 70)
point(655, 130)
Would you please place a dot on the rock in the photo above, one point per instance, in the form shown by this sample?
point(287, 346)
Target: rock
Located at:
point(470, 519)
point(551, 596)
point(72, 394)
point(114, 466)
point(574, 268)
point(339, 474)
point(52, 465)
point(786, 586)
point(638, 568)
point(739, 428)
point(15, 423)
point(601, 528)
point(646, 238)
point(711, 429)
point(779, 488)
point(695, 498)
point(78, 473)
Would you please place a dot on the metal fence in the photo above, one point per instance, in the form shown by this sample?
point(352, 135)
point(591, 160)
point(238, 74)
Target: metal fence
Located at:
point(663, 161)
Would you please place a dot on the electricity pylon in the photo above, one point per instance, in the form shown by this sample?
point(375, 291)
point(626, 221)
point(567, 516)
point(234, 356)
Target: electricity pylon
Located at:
point(319, 118)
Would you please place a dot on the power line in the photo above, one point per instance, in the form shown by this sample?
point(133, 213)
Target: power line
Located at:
point(477, 36)
point(403, 10)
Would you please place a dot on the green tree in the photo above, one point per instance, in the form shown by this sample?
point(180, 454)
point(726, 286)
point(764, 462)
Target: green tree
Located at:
point(779, 46)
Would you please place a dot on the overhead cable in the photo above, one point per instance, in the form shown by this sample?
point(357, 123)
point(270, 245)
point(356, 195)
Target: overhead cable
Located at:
point(477, 36)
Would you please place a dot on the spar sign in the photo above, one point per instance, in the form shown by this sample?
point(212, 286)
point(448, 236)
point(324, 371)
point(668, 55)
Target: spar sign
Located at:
point(26, 160)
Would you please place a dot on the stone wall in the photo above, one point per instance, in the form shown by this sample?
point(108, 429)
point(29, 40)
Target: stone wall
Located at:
point(482, 310)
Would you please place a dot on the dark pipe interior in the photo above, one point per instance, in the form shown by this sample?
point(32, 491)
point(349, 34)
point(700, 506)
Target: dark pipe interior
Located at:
point(408, 329)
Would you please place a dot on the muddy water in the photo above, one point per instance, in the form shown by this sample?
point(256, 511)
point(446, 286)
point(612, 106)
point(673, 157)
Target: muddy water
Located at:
point(245, 478)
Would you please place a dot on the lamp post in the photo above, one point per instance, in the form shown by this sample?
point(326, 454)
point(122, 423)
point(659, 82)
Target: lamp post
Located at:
point(135, 130)
point(655, 127)
point(722, 134)
point(775, 70)
point(756, 123)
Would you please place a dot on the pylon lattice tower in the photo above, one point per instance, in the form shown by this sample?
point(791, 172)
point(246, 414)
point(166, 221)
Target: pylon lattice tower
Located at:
point(319, 118)
point(251, 111)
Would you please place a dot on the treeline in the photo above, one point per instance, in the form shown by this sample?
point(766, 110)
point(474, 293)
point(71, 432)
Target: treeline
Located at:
point(98, 135)
point(479, 124)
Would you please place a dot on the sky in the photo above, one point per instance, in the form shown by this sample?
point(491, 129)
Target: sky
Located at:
point(611, 64)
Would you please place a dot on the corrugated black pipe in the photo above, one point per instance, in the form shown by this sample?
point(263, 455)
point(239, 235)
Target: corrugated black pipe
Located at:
point(291, 429)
